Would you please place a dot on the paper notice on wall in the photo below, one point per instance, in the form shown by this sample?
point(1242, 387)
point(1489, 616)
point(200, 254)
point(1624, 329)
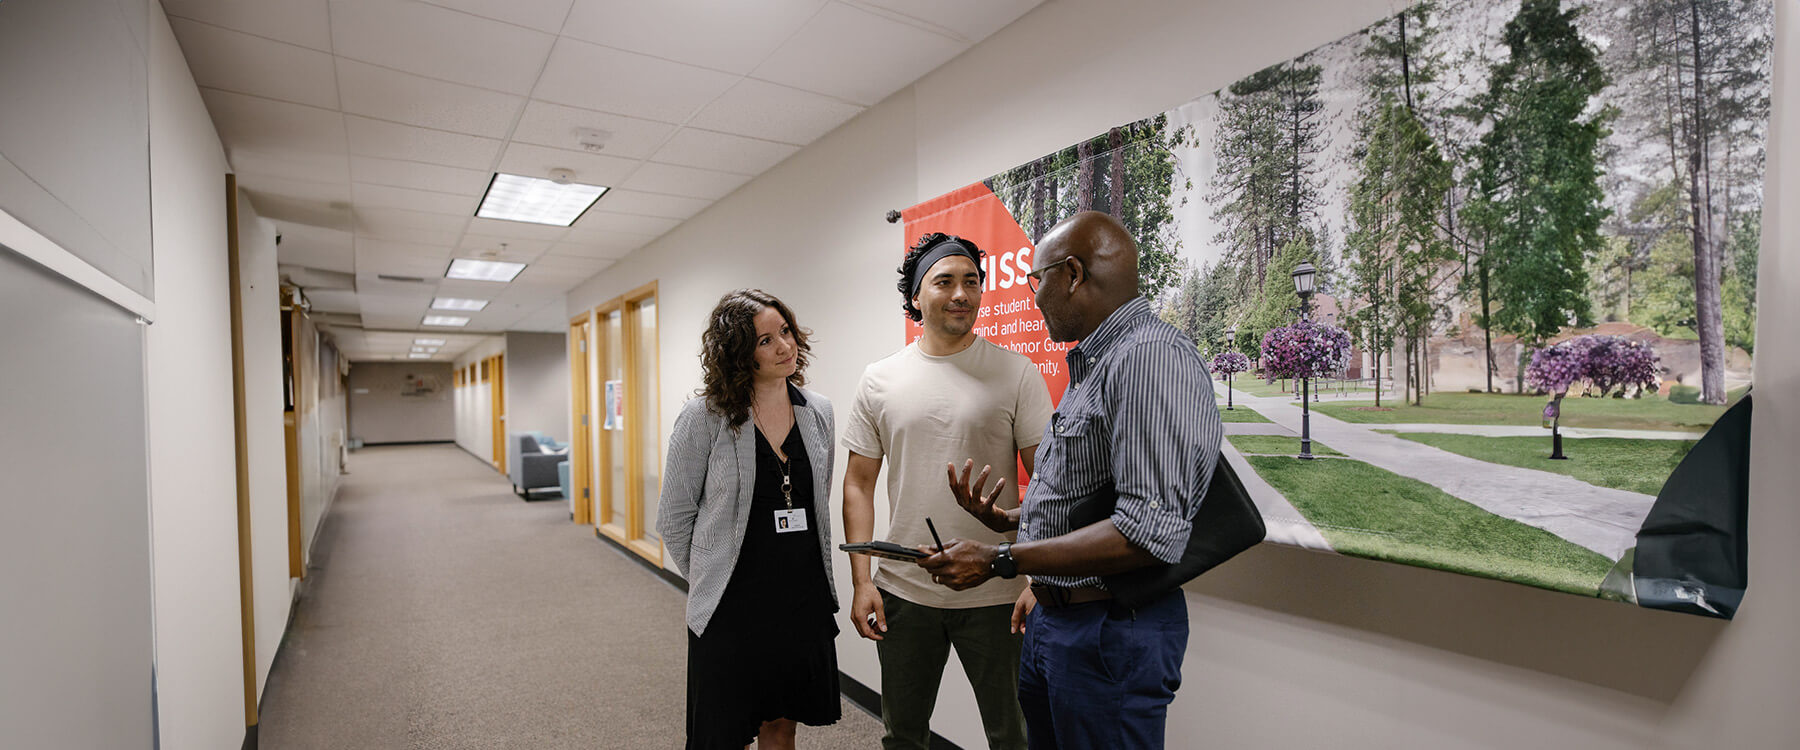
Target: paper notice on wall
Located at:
point(615, 405)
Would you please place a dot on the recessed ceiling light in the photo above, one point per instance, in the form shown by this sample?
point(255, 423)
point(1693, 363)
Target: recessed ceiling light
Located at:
point(424, 350)
point(557, 202)
point(418, 356)
point(428, 342)
point(446, 320)
point(483, 270)
point(456, 303)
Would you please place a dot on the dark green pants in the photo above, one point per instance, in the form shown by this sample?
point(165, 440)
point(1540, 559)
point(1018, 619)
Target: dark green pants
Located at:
point(912, 665)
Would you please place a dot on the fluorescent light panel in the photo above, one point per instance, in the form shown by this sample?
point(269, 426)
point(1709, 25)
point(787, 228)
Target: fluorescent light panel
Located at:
point(424, 350)
point(446, 320)
point(536, 200)
point(418, 356)
point(483, 270)
point(428, 342)
point(457, 303)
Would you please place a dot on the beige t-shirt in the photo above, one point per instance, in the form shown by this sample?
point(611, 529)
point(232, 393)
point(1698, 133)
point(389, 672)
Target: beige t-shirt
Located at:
point(919, 412)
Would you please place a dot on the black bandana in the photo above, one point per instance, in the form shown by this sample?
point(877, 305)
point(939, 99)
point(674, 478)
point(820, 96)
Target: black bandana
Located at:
point(948, 247)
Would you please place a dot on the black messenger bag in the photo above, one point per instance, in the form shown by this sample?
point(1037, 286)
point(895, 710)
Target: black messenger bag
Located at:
point(1226, 524)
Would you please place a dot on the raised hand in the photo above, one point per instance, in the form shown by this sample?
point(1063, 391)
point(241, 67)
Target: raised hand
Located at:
point(971, 499)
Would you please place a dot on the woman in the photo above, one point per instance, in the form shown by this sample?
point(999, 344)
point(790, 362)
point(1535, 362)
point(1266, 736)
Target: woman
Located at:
point(744, 515)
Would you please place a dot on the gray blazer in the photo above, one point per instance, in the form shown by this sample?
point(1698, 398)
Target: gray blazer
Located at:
point(707, 488)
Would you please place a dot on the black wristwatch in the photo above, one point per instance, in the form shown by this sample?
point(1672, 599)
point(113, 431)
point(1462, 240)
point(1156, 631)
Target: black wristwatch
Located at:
point(1004, 565)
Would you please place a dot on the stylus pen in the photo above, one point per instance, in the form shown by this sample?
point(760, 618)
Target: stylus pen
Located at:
point(934, 536)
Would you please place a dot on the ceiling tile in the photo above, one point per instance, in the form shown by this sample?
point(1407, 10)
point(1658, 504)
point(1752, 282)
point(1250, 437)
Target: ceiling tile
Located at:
point(272, 127)
point(609, 80)
point(316, 247)
point(778, 113)
point(248, 164)
point(383, 196)
point(408, 226)
point(584, 243)
point(418, 176)
point(685, 181)
point(397, 247)
point(971, 21)
point(521, 229)
point(304, 190)
point(445, 44)
point(856, 55)
point(554, 125)
point(543, 15)
point(692, 147)
point(602, 221)
point(391, 95)
point(376, 299)
point(591, 169)
point(394, 141)
point(729, 36)
point(489, 247)
point(333, 300)
point(650, 204)
point(304, 23)
point(245, 64)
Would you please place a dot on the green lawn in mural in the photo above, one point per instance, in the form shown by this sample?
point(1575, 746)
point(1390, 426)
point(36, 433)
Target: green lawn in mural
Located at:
point(1648, 413)
point(1634, 465)
point(1367, 512)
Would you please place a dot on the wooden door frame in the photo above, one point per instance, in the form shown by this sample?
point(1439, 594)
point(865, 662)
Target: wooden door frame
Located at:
point(497, 407)
point(581, 435)
point(638, 398)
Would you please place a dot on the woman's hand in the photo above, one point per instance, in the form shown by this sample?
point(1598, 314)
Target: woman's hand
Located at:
point(971, 499)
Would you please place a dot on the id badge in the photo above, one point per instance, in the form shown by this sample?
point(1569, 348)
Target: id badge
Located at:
point(790, 520)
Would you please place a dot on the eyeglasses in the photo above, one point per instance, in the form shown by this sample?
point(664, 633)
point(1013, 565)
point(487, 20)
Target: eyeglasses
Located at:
point(1037, 275)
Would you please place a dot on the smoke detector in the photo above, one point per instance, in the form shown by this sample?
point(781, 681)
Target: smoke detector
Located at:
point(592, 139)
point(562, 176)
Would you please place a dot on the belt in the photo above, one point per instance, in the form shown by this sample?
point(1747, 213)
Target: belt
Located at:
point(1061, 596)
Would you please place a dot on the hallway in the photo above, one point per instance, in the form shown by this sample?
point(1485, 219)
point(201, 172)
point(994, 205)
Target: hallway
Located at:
point(443, 612)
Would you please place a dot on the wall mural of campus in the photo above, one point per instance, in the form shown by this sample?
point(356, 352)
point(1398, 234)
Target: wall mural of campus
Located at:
point(1535, 229)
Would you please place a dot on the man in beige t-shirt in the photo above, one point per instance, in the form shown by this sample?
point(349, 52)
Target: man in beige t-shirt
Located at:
point(948, 398)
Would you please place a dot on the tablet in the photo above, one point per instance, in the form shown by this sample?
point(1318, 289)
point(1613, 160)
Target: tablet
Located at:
point(888, 550)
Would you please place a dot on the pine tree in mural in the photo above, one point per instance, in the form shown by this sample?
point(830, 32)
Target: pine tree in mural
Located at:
point(1698, 68)
point(1539, 202)
point(1271, 135)
point(1394, 242)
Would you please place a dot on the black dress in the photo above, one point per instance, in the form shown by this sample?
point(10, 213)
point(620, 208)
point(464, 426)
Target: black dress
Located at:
point(768, 652)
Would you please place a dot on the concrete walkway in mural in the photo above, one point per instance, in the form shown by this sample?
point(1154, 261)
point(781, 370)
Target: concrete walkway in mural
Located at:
point(1283, 520)
point(1602, 519)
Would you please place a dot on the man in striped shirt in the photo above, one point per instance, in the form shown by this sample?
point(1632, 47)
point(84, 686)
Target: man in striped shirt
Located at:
point(1137, 427)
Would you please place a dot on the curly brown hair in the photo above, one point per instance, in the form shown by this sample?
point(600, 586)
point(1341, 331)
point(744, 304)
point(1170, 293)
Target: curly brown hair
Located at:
point(728, 352)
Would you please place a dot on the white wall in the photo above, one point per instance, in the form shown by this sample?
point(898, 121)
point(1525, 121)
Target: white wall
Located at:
point(537, 383)
point(265, 438)
point(474, 402)
point(380, 413)
point(1289, 648)
point(193, 468)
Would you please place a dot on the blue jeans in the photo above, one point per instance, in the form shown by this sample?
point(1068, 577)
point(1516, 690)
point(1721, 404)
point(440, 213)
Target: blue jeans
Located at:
point(1093, 677)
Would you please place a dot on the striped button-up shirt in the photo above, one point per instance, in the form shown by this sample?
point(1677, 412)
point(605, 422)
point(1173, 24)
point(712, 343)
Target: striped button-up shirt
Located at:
point(1138, 421)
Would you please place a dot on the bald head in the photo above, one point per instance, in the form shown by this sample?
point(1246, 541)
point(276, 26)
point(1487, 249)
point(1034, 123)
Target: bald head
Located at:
point(1104, 276)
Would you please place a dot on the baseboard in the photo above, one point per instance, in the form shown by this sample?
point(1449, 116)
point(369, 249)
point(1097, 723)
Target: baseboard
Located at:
point(410, 442)
point(668, 577)
point(249, 738)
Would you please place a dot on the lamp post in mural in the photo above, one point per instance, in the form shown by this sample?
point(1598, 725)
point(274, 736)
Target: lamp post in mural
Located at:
point(1230, 346)
point(1303, 286)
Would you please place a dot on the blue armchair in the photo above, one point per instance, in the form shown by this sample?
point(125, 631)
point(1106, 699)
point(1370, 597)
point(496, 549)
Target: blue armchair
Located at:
point(528, 465)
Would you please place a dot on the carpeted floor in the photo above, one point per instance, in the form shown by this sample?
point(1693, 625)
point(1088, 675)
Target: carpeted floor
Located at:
point(443, 612)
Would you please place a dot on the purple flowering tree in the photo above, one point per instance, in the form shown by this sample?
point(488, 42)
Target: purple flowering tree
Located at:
point(1605, 362)
point(1305, 350)
point(1229, 363)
